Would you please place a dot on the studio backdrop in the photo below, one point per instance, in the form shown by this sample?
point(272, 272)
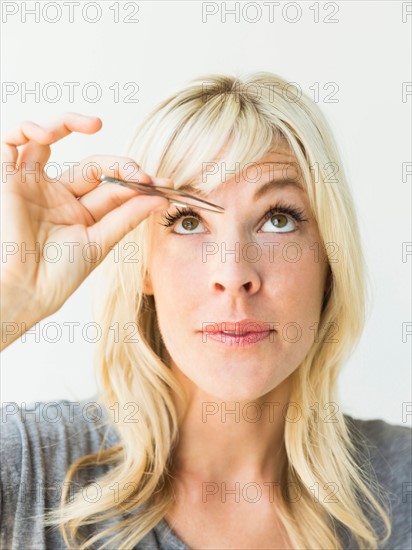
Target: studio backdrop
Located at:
point(117, 60)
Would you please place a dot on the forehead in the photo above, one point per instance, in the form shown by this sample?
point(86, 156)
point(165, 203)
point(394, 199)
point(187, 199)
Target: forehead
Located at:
point(280, 148)
point(279, 165)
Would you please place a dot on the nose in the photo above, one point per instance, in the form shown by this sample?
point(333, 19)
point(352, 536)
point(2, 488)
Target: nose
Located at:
point(234, 274)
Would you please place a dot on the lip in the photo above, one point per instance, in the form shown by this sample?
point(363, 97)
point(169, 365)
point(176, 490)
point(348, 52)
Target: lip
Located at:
point(254, 331)
point(243, 325)
point(247, 340)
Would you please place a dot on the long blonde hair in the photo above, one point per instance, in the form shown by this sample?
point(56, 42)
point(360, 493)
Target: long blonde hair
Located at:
point(175, 140)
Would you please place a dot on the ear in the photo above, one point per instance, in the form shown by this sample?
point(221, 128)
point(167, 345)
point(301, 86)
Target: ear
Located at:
point(147, 285)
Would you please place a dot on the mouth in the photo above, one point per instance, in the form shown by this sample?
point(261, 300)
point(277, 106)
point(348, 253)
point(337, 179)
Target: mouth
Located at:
point(241, 333)
point(238, 339)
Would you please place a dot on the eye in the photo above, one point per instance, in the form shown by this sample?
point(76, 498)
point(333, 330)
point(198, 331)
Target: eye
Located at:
point(281, 217)
point(280, 222)
point(284, 218)
point(190, 220)
point(189, 224)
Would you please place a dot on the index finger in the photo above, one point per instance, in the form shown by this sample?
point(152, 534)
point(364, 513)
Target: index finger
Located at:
point(64, 125)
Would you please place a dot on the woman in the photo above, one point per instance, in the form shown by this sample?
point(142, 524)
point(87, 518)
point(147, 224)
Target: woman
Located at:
point(219, 425)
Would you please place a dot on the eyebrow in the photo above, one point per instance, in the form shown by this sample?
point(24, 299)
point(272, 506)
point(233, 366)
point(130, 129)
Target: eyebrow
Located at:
point(193, 191)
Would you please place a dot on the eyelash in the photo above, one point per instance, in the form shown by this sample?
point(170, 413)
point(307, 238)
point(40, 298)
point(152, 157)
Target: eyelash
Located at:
point(280, 208)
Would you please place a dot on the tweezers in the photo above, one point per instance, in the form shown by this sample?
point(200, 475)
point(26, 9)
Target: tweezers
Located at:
point(150, 189)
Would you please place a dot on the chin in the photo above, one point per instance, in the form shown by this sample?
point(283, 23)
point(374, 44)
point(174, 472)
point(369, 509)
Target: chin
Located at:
point(221, 393)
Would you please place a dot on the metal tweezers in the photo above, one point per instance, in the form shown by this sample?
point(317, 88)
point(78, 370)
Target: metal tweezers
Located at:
point(150, 189)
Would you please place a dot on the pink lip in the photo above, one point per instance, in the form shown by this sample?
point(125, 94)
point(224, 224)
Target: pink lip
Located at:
point(236, 340)
point(243, 325)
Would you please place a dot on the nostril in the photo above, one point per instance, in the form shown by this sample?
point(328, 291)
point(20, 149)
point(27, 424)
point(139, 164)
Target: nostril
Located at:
point(247, 286)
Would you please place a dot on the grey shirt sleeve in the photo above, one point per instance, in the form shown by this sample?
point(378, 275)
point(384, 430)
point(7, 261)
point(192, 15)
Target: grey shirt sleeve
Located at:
point(385, 451)
point(39, 442)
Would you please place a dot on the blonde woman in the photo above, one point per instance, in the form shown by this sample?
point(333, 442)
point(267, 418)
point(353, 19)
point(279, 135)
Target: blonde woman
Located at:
point(219, 426)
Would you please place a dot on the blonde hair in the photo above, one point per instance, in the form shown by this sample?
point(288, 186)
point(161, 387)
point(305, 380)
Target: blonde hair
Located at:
point(175, 140)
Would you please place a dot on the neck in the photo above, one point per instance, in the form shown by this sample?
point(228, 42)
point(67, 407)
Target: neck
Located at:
point(228, 441)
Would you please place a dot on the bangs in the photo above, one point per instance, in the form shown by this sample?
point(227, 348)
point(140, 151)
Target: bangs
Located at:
point(211, 132)
point(215, 140)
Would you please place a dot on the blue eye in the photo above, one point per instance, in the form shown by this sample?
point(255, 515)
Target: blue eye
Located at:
point(279, 215)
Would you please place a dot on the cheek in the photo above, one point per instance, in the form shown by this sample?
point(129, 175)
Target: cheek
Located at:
point(177, 278)
point(295, 291)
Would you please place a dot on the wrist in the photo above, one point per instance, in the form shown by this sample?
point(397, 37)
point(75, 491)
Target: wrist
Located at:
point(19, 312)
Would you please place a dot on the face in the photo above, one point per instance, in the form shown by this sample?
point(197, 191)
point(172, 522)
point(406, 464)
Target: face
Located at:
point(277, 278)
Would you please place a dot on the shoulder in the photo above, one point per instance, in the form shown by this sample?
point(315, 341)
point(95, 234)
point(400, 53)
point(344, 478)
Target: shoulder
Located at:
point(384, 451)
point(384, 443)
point(51, 434)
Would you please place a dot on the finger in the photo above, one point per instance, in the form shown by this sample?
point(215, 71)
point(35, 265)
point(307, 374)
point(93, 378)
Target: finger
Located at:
point(67, 123)
point(109, 196)
point(60, 128)
point(34, 155)
point(120, 221)
point(63, 126)
point(15, 137)
point(85, 177)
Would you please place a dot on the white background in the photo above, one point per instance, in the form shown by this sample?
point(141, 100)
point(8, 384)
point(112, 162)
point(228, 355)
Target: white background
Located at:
point(366, 53)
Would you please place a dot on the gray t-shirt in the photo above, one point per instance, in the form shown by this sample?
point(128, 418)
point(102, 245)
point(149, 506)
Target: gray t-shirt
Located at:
point(40, 440)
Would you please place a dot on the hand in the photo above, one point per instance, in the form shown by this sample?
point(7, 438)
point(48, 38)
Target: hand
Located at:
point(37, 212)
